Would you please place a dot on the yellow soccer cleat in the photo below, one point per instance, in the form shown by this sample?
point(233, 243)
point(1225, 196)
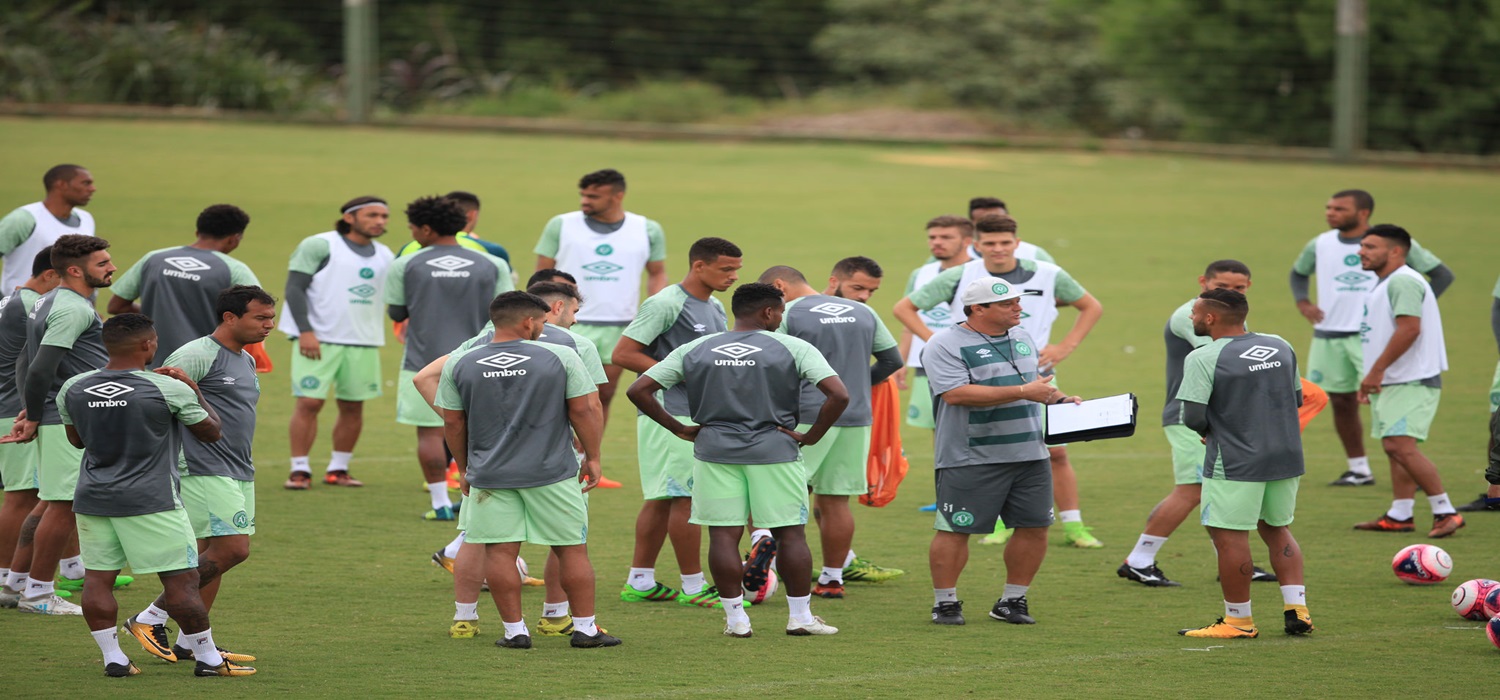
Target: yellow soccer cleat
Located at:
point(153, 639)
point(442, 562)
point(464, 629)
point(560, 626)
point(1298, 619)
point(1233, 628)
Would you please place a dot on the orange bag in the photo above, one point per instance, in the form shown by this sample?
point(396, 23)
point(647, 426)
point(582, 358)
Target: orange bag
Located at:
point(262, 360)
point(887, 465)
point(1314, 400)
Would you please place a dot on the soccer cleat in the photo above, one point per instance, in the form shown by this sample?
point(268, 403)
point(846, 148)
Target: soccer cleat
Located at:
point(929, 508)
point(1350, 478)
point(862, 569)
point(454, 481)
point(464, 629)
point(9, 598)
point(1012, 610)
point(608, 484)
point(948, 612)
point(341, 478)
point(1386, 523)
point(758, 564)
point(706, 598)
point(520, 641)
point(738, 628)
point(1150, 576)
point(225, 668)
point(1000, 536)
point(832, 589)
point(185, 654)
point(809, 629)
point(1298, 620)
point(442, 561)
point(121, 670)
point(444, 514)
point(600, 639)
point(559, 626)
point(48, 604)
point(1221, 630)
point(657, 594)
point(298, 481)
point(153, 638)
point(1263, 576)
point(1080, 536)
point(1445, 525)
point(76, 584)
point(1483, 503)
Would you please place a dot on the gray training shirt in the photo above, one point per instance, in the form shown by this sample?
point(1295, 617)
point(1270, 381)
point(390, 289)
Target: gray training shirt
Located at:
point(969, 435)
point(670, 319)
point(64, 319)
point(13, 311)
point(847, 333)
point(230, 386)
point(1181, 340)
point(179, 288)
point(447, 292)
point(1250, 387)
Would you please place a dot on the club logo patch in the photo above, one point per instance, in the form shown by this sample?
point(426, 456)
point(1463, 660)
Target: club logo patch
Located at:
point(998, 289)
point(503, 362)
point(110, 392)
point(241, 520)
point(964, 518)
point(736, 352)
point(1022, 348)
point(309, 382)
point(604, 249)
point(450, 266)
point(366, 273)
point(1351, 259)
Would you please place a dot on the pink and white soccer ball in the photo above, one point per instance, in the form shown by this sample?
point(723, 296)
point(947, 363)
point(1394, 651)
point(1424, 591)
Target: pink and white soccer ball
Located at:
point(1422, 564)
point(765, 592)
point(1491, 602)
point(522, 567)
point(1469, 598)
point(1492, 630)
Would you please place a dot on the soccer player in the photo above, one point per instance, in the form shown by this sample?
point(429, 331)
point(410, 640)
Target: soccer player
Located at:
point(668, 320)
point(18, 461)
point(549, 274)
point(1241, 393)
point(28, 229)
point(985, 378)
point(607, 249)
point(533, 398)
point(1404, 358)
point(179, 287)
point(1047, 286)
point(848, 334)
point(469, 202)
point(1490, 499)
point(749, 462)
point(443, 290)
point(1335, 360)
point(125, 419)
point(980, 207)
point(218, 486)
point(948, 240)
point(333, 289)
point(62, 340)
point(856, 278)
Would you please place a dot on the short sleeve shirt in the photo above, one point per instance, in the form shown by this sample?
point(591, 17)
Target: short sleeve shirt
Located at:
point(971, 435)
point(1250, 386)
point(847, 333)
point(62, 318)
point(942, 288)
point(1181, 340)
point(670, 319)
point(13, 321)
point(231, 387)
point(447, 292)
point(179, 289)
point(1406, 294)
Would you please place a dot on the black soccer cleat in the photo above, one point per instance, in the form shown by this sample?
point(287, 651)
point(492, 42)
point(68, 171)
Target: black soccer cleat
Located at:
point(1012, 610)
point(948, 612)
point(1149, 576)
point(121, 670)
point(1483, 503)
point(1263, 576)
point(520, 641)
point(1350, 478)
point(583, 641)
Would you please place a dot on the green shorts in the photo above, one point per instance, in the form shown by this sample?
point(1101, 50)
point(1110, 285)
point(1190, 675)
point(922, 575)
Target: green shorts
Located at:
point(919, 408)
point(149, 544)
point(555, 515)
point(219, 506)
point(18, 466)
point(836, 465)
point(57, 464)
point(605, 337)
point(1403, 410)
point(666, 460)
point(353, 369)
point(1495, 390)
point(1336, 364)
point(729, 494)
point(1240, 505)
point(411, 408)
point(1188, 453)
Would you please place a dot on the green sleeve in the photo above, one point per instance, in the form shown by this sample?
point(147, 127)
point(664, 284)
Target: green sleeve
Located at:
point(939, 291)
point(1066, 289)
point(240, 273)
point(668, 372)
point(195, 359)
point(883, 338)
point(1406, 296)
point(1307, 262)
point(551, 239)
point(66, 322)
point(811, 365)
point(658, 241)
point(786, 312)
point(1044, 256)
point(128, 285)
point(580, 382)
point(309, 256)
point(1198, 374)
point(447, 393)
point(911, 282)
point(591, 361)
point(15, 228)
point(1421, 259)
point(656, 315)
point(62, 395)
point(504, 283)
point(395, 282)
point(181, 400)
point(1181, 326)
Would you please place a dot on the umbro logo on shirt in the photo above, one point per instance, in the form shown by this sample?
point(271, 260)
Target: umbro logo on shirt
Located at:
point(110, 392)
point(736, 352)
point(503, 362)
point(1353, 281)
point(185, 267)
point(1261, 356)
point(834, 312)
point(699, 328)
point(601, 269)
point(450, 266)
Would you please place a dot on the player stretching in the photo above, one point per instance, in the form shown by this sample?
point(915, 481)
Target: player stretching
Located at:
point(749, 460)
point(670, 319)
point(28, 229)
point(218, 485)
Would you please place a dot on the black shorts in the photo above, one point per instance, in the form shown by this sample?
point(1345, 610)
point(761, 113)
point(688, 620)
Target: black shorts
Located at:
point(971, 499)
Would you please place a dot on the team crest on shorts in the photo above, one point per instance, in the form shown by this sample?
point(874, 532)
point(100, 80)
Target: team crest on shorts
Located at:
point(309, 382)
point(963, 518)
point(241, 520)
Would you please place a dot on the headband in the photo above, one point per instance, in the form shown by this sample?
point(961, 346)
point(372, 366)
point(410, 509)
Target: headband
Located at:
point(358, 207)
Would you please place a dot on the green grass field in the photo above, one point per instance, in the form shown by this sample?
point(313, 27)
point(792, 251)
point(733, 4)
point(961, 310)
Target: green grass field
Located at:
point(338, 598)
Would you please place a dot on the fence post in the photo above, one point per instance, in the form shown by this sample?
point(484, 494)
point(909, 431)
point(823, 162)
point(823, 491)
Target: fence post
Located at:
point(359, 59)
point(1351, 75)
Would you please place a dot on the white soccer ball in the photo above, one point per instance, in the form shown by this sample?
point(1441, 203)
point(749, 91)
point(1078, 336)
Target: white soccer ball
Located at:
point(1469, 598)
point(522, 567)
point(765, 592)
point(1422, 564)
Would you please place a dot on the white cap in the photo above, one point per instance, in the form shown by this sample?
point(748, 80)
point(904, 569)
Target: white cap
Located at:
point(990, 289)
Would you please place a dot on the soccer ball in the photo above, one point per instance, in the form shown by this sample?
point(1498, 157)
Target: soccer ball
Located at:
point(1469, 598)
point(1491, 602)
point(765, 592)
point(1422, 564)
point(522, 567)
point(1492, 630)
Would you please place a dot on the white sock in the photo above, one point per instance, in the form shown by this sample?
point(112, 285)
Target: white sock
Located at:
point(72, 567)
point(302, 464)
point(585, 625)
point(758, 535)
point(800, 609)
point(831, 574)
point(1401, 508)
point(734, 608)
point(944, 595)
point(38, 589)
point(439, 493)
point(1070, 516)
point(109, 643)
point(513, 629)
point(1360, 465)
point(339, 462)
point(203, 647)
point(1237, 609)
point(1144, 554)
point(451, 550)
point(16, 581)
point(692, 584)
point(554, 609)
point(1013, 591)
point(1441, 505)
point(1294, 595)
point(152, 615)
point(642, 579)
point(465, 611)
point(849, 559)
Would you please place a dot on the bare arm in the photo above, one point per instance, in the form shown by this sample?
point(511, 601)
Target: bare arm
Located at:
point(120, 305)
point(207, 430)
point(907, 313)
point(427, 381)
point(1407, 330)
point(1301, 286)
point(1039, 390)
point(903, 345)
point(545, 263)
point(656, 276)
point(456, 433)
point(74, 437)
point(642, 393)
point(586, 413)
point(835, 400)
point(1089, 313)
point(631, 354)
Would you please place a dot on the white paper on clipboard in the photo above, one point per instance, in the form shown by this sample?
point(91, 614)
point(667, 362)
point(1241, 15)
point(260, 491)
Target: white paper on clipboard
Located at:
point(1094, 414)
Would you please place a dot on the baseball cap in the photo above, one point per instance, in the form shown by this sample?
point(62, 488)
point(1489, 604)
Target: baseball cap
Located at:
point(986, 290)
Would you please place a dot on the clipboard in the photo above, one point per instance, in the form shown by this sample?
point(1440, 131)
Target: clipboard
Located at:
point(1094, 419)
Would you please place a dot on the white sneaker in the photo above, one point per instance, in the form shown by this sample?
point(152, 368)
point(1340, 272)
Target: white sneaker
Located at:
point(49, 604)
point(9, 598)
point(738, 628)
point(808, 629)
